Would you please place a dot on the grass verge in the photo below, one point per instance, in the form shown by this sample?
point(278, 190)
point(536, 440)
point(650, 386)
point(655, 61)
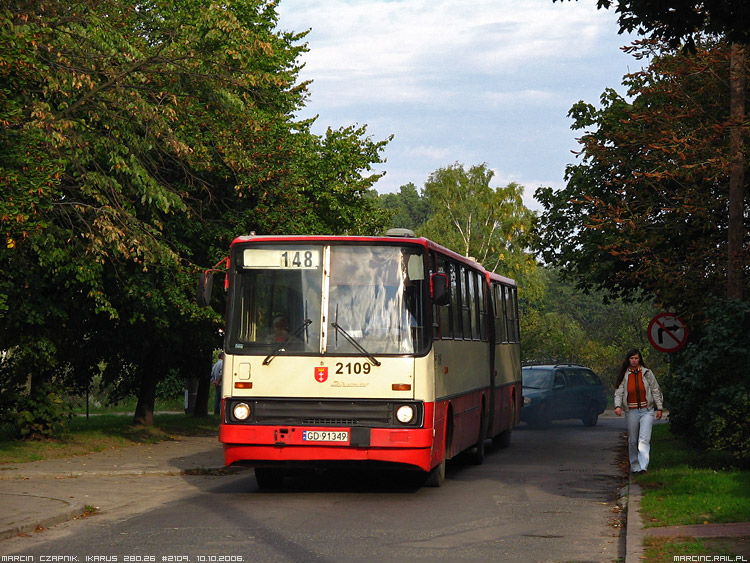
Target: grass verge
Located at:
point(685, 486)
point(667, 550)
point(106, 431)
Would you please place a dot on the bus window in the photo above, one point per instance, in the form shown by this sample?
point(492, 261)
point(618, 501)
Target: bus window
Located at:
point(501, 333)
point(377, 298)
point(510, 306)
point(482, 323)
point(277, 283)
point(455, 301)
point(516, 332)
point(465, 303)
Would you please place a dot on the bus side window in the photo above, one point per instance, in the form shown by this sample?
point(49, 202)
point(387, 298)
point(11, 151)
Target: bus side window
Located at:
point(483, 304)
point(446, 313)
point(510, 306)
point(501, 334)
point(465, 303)
point(455, 301)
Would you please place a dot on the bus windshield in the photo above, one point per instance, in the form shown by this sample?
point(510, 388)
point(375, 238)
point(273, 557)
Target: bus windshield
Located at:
point(372, 302)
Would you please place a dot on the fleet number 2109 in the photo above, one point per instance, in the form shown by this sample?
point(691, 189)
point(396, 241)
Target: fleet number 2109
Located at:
point(350, 368)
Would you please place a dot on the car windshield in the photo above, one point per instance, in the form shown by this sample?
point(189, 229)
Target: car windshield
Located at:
point(537, 378)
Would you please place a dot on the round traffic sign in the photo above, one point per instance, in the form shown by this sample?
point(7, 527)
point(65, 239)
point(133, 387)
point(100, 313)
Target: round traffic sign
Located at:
point(667, 332)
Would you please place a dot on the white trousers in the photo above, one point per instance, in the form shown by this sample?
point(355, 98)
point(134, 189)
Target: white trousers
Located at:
point(640, 422)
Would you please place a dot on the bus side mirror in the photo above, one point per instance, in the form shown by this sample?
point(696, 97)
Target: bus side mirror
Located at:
point(205, 285)
point(439, 284)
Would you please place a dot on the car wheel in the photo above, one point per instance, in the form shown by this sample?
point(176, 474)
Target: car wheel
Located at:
point(591, 417)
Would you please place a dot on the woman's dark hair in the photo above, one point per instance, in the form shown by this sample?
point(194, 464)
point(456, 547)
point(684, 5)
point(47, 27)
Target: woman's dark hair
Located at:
point(626, 364)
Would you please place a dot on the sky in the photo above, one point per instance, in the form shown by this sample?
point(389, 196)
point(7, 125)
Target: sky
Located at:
point(478, 81)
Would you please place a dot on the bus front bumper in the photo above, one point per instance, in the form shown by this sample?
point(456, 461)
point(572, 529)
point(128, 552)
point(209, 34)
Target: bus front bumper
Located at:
point(248, 444)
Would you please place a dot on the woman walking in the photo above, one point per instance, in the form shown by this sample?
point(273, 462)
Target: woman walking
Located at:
point(639, 395)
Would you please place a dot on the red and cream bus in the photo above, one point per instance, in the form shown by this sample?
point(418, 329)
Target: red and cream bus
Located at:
point(388, 350)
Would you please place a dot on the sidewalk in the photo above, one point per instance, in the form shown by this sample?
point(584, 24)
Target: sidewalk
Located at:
point(46, 493)
point(636, 533)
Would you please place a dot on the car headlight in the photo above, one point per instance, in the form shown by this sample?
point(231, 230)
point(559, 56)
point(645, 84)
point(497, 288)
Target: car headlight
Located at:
point(241, 411)
point(405, 414)
point(526, 401)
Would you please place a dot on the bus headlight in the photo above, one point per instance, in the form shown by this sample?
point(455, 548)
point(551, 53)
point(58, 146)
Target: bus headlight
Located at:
point(405, 413)
point(241, 411)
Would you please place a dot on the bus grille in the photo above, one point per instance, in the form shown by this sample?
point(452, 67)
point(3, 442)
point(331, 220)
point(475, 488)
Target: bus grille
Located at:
point(301, 412)
point(323, 413)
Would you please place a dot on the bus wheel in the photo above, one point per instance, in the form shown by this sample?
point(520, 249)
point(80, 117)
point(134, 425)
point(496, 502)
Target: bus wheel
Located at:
point(436, 476)
point(477, 454)
point(269, 477)
point(502, 440)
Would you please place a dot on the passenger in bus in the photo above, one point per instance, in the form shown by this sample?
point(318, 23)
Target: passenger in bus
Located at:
point(280, 330)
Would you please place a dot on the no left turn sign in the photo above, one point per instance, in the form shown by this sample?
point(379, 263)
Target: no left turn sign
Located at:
point(667, 332)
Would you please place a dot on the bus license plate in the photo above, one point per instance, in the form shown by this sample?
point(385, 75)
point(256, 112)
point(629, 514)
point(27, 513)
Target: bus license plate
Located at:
point(325, 436)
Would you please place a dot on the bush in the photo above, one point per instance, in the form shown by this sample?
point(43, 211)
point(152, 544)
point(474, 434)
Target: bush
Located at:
point(709, 397)
point(35, 416)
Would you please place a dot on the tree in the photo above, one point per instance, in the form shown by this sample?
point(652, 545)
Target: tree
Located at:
point(676, 22)
point(645, 212)
point(409, 210)
point(492, 225)
point(138, 139)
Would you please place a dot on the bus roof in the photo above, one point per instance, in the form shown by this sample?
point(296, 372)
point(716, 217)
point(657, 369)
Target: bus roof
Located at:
point(403, 240)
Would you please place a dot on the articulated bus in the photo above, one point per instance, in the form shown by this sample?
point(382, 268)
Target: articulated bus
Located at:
point(379, 350)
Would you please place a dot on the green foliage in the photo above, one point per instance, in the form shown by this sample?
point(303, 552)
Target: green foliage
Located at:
point(710, 394)
point(474, 219)
point(644, 212)
point(566, 325)
point(679, 21)
point(35, 415)
point(137, 141)
point(408, 208)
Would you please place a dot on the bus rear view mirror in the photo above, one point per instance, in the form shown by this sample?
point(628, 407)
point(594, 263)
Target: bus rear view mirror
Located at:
point(205, 285)
point(439, 284)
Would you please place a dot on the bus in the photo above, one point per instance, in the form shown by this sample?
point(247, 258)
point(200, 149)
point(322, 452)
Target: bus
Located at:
point(390, 350)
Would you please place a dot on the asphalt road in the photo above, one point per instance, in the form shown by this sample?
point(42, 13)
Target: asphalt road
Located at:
point(550, 497)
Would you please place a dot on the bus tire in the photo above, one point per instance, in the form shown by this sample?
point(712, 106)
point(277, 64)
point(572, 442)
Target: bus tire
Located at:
point(269, 477)
point(436, 476)
point(476, 456)
point(502, 440)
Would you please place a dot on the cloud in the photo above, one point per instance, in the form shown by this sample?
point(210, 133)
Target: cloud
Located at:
point(458, 80)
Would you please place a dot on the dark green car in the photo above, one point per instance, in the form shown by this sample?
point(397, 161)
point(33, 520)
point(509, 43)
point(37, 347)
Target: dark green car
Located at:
point(559, 392)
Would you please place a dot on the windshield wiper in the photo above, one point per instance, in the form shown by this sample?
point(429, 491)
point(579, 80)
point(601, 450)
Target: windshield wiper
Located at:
point(356, 344)
point(280, 348)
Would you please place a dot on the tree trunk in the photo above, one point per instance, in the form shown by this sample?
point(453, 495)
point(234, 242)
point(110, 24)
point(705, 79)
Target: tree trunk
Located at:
point(735, 265)
point(204, 390)
point(144, 409)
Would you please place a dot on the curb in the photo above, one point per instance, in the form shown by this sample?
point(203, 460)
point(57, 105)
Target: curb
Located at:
point(70, 511)
point(633, 524)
